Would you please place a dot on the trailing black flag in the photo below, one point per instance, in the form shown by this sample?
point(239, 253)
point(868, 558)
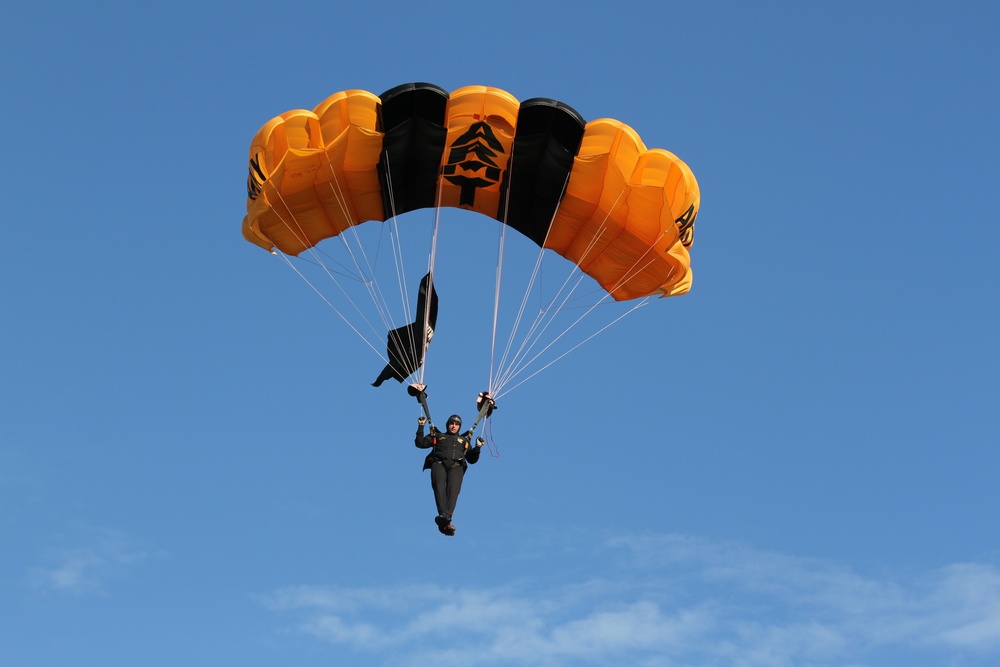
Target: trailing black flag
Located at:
point(405, 346)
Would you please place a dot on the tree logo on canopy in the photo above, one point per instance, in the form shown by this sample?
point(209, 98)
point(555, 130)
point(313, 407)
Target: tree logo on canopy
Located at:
point(471, 164)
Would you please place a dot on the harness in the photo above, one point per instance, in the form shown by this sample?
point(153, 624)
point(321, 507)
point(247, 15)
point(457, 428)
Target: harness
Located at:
point(460, 445)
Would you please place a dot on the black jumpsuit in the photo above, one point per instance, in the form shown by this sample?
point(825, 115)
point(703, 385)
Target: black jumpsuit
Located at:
point(447, 463)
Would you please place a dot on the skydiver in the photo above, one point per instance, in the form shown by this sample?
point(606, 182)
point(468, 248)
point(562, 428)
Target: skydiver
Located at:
point(447, 460)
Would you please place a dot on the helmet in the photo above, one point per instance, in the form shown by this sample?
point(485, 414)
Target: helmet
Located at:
point(454, 419)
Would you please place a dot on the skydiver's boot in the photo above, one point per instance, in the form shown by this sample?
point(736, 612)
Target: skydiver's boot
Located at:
point(442, 523)
point(449, 528)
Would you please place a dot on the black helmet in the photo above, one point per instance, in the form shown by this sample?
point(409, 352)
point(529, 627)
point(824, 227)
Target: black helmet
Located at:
point(454, 419)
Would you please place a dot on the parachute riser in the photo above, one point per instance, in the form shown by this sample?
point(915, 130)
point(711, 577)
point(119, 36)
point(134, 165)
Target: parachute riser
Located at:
point(422, 397)
point(486, 408)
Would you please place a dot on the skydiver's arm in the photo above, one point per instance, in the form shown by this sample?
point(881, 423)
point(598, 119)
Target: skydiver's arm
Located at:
point(424, 441)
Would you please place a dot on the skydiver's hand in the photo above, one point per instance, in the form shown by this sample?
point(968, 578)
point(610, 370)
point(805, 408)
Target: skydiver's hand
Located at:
point(421, 420)
point(480, 442)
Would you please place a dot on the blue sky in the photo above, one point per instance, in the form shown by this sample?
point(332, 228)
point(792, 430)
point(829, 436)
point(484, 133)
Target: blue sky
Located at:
point(794, 464)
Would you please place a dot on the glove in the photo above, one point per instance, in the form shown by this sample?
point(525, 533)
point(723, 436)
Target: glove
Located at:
point(421, 420)
point(480, 442)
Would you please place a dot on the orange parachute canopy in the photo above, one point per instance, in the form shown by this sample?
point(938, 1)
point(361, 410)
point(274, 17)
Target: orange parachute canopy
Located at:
point(591, 192)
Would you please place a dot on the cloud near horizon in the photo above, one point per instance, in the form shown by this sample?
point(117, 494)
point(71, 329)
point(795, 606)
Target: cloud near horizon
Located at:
point(105, 554)
point(670, 600)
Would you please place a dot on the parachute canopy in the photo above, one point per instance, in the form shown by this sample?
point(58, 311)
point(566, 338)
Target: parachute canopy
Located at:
point(591, 192)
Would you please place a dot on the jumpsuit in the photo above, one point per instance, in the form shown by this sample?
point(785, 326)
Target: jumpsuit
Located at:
point(447, 463)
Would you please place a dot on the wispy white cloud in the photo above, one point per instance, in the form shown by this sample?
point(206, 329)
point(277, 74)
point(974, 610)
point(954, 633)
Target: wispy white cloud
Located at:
point(670, 600)
point(103, 554)
point(955, 607)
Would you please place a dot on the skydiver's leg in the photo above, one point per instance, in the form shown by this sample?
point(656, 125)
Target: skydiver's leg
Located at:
point(455, 476)
point(439, 483)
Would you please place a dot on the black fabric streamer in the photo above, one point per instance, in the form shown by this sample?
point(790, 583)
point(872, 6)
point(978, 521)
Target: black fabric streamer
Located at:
point(405, 345)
